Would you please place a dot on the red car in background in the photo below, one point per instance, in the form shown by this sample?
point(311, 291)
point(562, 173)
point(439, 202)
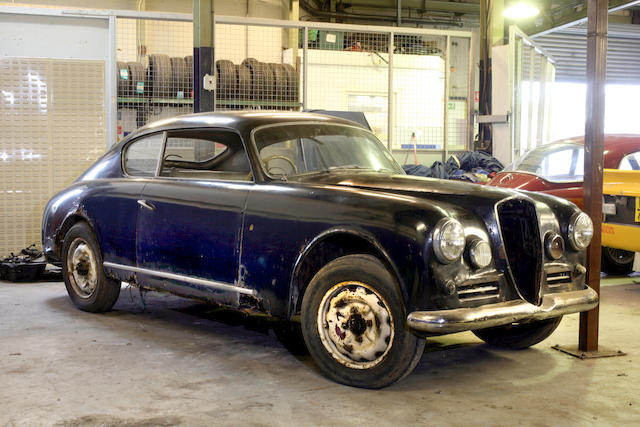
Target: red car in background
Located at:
point(558, 169)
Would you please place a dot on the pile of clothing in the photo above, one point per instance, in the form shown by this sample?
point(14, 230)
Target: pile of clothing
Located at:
point(472, 166)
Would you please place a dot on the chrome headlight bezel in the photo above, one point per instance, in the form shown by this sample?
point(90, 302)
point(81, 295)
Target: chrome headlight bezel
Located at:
point(442, 226)
point(474, 253)
point(577, 243)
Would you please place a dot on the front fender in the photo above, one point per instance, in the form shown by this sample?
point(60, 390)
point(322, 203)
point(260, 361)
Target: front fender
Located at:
point(355, 239)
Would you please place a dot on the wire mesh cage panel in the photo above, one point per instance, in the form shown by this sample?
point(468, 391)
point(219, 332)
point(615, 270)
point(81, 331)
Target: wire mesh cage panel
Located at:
point(459, 103)
point(419, 91)
point(350, 72)
point(413, 86)
point(154, 71)
point(533, 72)
point(257, 67)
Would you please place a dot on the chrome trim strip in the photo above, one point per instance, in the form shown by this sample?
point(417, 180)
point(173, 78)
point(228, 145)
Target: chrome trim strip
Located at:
point(478, 298)
point(503, 313)
point(172, 276)
point(477, 290)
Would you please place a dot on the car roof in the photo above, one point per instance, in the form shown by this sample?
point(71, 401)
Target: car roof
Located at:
point(616, 146)
point(242, 121)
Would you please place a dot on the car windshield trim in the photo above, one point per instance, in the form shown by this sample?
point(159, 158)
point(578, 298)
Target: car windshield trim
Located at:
point(254, 146)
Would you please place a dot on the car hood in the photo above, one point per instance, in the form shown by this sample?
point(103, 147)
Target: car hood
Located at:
point(430, 188)
point(526, 181)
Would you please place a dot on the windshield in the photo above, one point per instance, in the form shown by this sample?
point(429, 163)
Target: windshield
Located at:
point(557, 162)
point(295, 149)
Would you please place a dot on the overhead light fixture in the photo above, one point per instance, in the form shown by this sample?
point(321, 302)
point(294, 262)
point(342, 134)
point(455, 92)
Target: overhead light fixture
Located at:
point(521, 10)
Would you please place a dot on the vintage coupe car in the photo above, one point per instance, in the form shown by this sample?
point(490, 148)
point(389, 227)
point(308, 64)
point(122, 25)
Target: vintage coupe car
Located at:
point(309, 218)
point(557, 168)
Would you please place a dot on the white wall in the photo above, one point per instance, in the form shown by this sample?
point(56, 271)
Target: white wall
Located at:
point(46, 37)
point(53, 105)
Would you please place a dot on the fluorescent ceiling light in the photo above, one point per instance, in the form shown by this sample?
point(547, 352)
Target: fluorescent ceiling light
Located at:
point(521, 10)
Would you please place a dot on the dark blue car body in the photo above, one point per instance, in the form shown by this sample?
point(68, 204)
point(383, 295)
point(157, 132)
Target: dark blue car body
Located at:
point(257, 243)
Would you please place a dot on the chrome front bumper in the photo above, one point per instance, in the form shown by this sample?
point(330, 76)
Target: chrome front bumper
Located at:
point(503, 313)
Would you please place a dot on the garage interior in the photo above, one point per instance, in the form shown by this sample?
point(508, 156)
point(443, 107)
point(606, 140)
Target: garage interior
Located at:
point(433, 79)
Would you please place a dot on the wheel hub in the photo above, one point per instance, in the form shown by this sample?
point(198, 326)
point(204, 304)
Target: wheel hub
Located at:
point(82, 268)
point(355, 325)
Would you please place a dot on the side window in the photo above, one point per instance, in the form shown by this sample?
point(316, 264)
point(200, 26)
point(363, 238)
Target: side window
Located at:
point(141, 156)
point(563, 165)
point(205, 154)
point(630, 162)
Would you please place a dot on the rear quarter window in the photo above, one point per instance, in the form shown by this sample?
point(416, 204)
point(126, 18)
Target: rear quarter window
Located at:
point(141, 157)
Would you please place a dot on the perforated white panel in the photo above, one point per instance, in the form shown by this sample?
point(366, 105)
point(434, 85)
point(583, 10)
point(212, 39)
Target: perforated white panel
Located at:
point(52, 127)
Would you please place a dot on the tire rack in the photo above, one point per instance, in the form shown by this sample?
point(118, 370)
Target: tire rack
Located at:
point(168, 82)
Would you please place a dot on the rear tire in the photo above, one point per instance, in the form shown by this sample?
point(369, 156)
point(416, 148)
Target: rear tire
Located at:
point(519, 336)
point(353, 322)
point(88, 287)
point(617, 261)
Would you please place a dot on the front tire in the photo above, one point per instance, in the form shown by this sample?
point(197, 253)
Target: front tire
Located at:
point(519, 336)
point(353, 322)
point(87, 285)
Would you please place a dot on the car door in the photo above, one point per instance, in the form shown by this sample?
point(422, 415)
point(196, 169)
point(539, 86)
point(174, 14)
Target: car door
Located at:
point(188, 228)
point(113, 205)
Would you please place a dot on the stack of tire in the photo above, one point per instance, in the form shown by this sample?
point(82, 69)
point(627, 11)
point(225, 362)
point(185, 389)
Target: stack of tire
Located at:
point(131, 79)
point(164, 77)
point(169, 77)
point(253, 80)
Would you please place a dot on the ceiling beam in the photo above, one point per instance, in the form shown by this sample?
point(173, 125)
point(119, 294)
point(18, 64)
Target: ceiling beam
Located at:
point(468, 8)
point(575, 16)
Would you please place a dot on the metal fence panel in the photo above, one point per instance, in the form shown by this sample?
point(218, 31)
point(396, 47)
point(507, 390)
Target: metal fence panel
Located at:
point(413, 85)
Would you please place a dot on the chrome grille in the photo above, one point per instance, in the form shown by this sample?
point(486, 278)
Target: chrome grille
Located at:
point(558, 278)
point(478, 289)
point(521, 236)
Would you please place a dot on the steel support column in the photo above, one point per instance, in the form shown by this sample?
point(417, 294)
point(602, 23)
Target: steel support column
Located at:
point(593, 157)
point(491, 34)
point(203, 62)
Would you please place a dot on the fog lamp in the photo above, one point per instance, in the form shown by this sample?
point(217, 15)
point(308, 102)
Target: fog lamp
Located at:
point(554, 245)
point(480, 253)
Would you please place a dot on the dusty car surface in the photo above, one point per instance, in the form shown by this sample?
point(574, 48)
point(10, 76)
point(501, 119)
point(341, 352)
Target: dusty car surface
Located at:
point(309, 218)
point(557, 168)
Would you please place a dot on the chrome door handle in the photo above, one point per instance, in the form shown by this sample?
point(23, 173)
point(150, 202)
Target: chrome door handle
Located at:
point(146, 205)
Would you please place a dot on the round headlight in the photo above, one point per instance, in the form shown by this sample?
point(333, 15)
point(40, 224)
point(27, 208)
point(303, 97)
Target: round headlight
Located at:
point(448, 240)
point(480, 253)
point(555, 245)
point(580, 230)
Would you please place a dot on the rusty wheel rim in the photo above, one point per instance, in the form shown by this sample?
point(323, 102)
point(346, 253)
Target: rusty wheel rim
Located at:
point(82, 268)
point(355, 325)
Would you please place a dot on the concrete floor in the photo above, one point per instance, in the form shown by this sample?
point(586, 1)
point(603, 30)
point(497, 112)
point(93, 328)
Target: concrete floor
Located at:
point(178, 363)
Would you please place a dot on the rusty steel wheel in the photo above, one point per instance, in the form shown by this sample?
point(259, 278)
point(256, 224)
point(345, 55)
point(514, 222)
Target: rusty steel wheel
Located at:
point(355, 325)
point(83, 268)
point(353, 322)
point(87, 285)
